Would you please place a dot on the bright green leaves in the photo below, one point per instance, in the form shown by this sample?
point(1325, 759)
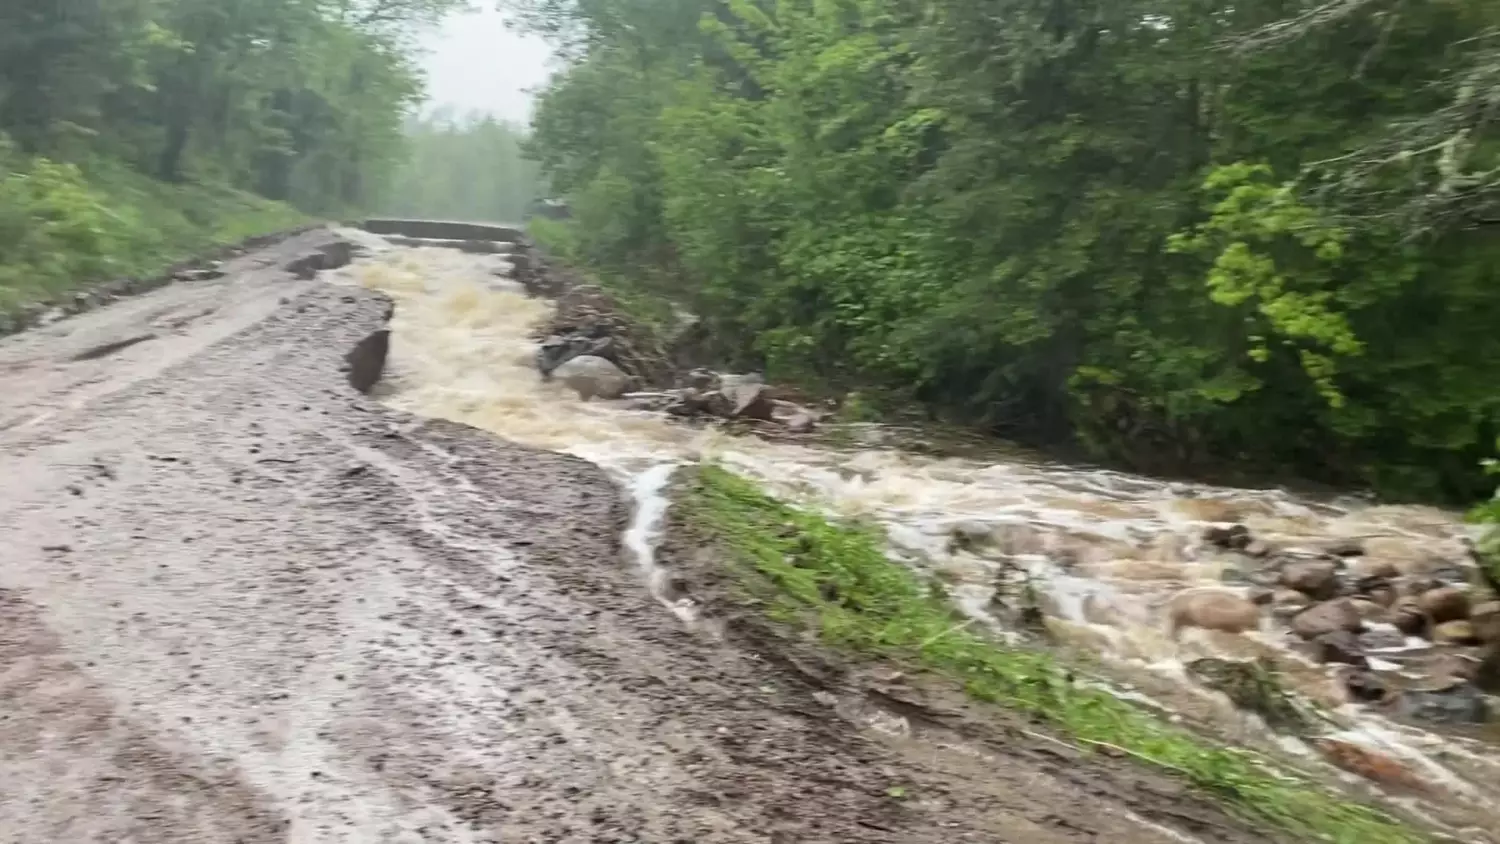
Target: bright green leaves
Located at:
point(1271, 251)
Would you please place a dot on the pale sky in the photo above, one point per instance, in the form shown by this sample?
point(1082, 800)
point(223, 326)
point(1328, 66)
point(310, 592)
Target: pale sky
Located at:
point(474, 63)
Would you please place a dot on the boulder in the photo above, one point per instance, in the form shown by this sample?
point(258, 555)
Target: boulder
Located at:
point(1368, 610)
point(1286, 603)
point(1446, 603)
point(1486, 620)
point(688, 403)
point(1232, 537)
point(1377, 590)
point(750, 401)
point(1380, 637)
point(593, 377)
point(1454, 633)
point(801, 422)
point(1381, 768)
point(1338, 646)
point(1327, 617)
point(702, 380)
point(1460, 703)
point(1317, 579)
point(1370, 567)
point(1409, 619)
point(1364, 687)
point(1258, 548)
point(1487, 674)
point(1211, 608)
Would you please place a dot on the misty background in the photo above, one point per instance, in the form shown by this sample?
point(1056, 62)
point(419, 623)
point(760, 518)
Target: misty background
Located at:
point(466, 158)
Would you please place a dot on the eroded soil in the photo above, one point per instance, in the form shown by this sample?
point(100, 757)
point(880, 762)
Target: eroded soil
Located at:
point(242, 602)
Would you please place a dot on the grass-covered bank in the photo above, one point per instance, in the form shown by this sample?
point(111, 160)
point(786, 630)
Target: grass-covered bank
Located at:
point(812, 574)
point(64, 227)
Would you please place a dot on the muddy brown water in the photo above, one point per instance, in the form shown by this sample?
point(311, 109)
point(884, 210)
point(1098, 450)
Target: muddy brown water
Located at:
point(462, 352)
point(242, 602)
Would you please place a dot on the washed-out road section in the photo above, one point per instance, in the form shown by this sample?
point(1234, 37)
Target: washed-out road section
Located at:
point(242, 602)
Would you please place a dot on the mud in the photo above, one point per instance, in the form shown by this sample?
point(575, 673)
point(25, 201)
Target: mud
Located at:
point(244, 602)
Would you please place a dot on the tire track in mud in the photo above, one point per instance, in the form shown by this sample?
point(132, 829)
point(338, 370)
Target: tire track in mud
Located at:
point(261, 606)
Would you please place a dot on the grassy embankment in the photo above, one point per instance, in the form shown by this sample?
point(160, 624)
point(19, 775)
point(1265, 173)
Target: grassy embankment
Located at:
point(64, 227)
point(788, 560)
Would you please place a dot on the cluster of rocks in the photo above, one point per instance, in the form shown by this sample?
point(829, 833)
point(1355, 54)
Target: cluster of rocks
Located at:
point(1420, 638)
point(591, 347)
point(705, 394)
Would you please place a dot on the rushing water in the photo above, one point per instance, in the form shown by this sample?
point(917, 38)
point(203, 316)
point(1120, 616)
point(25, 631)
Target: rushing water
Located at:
point(462, 351)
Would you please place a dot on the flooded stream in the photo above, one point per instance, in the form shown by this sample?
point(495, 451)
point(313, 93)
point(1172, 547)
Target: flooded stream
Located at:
point(1105, 550)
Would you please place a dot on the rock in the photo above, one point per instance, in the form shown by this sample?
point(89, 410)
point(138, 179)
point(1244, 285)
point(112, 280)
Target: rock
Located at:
point(1460, 703)
point(1368, 610)
point(1373, 765)
point(1454, 633)
point(558, 350)
point(651, 402)
point(1211, 608)
point(1368, 567)
point(1233, 537)
point(1338, 646)
point(1438, 669)
point(1286, 603)
point(1317, 579)
point(718, 404)
point(593, 377)
point(702, 380)
point(1446, 603)
point(688, 403)
point(365, 363)
point(1487, 675)
point(750, 401)
point(1364, 687)
point(801, 423)
point(1381, 637)
point(1409, 619)
point(1486, 620)
point(1258, 548)
point(1260, 596)
point(1416, 585)
point(1252, 685)
point(1328, 617)
point(1377, 590)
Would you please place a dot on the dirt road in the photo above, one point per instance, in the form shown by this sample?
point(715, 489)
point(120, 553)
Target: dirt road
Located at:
point(241, 602)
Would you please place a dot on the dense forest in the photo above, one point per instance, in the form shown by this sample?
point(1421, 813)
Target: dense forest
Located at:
point(1178, 233)
point(136, 131)
point(469, 167)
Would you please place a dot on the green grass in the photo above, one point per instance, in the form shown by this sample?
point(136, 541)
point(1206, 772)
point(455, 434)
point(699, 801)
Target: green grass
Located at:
point(63, 227)
point(836, 579)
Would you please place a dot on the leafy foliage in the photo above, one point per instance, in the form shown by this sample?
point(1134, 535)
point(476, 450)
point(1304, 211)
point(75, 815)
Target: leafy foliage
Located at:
point(1175, 232)
point(298, 101)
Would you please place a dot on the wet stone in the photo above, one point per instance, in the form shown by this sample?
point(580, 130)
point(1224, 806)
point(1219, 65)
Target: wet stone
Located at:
point(1461, 703)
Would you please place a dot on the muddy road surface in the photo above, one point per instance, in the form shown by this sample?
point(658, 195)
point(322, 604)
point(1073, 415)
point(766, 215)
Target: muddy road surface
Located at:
point(242, 602)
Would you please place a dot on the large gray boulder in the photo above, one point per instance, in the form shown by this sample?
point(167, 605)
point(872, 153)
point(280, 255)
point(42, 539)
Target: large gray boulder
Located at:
point(593, 377)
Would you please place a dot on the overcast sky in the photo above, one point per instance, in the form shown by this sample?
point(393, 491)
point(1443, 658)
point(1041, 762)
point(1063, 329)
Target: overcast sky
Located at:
point(474, 63)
